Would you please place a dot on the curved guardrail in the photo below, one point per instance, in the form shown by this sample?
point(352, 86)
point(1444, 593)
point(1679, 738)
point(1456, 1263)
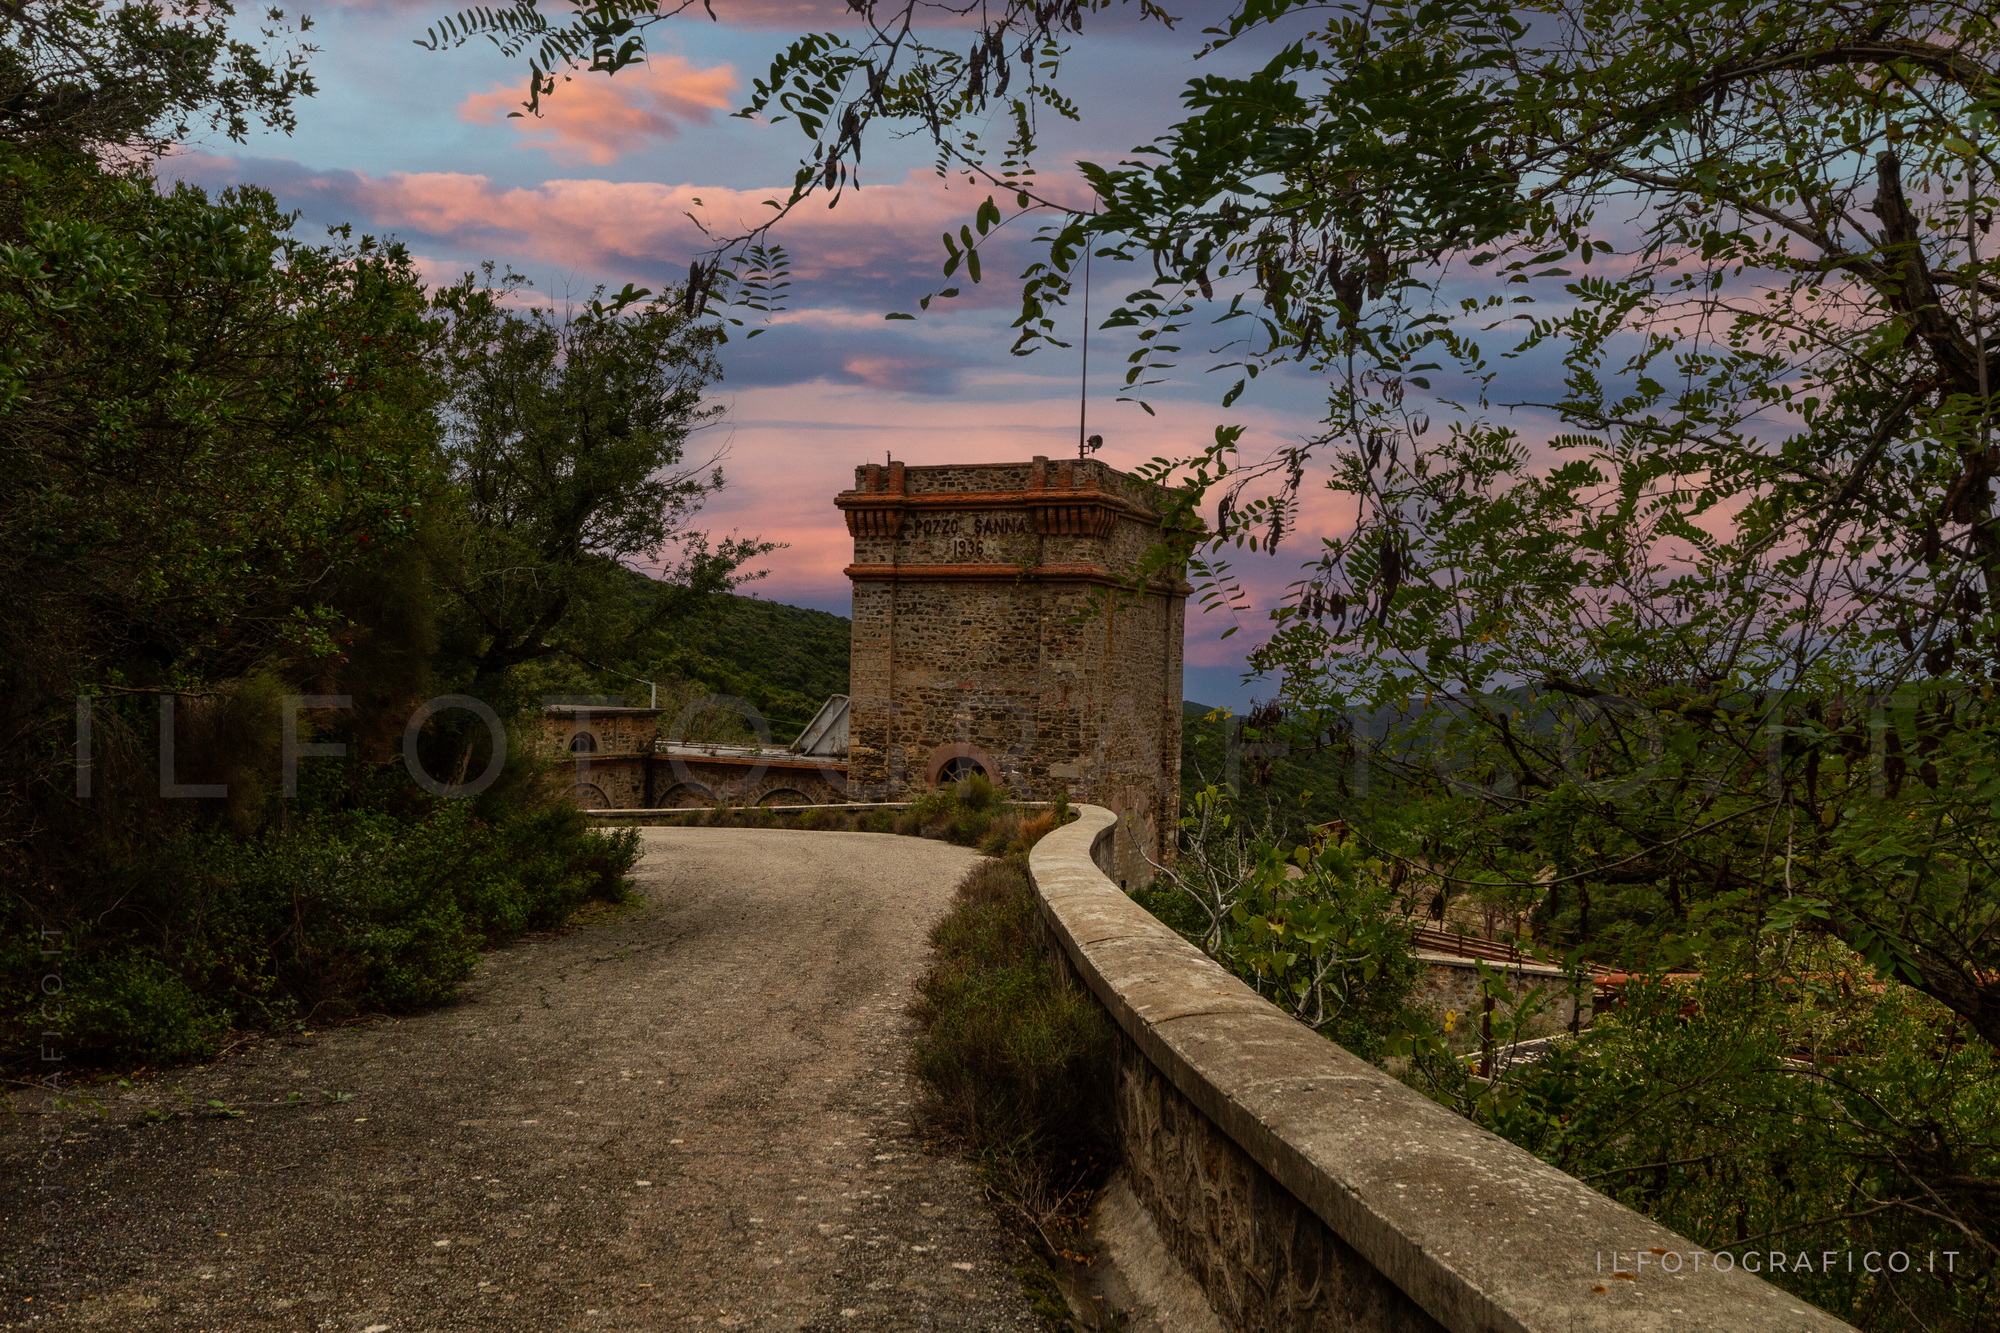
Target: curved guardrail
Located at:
point(1303, 1188)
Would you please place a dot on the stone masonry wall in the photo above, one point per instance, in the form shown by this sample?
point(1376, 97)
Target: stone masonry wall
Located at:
point(1264, 1260)
point(990, 625)
point(693, 781)
point(1301, 1188)
point(611, 731)
point(1449, 988)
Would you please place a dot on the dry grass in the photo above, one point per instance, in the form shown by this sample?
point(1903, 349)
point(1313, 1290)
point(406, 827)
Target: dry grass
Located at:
point(1014, 1060)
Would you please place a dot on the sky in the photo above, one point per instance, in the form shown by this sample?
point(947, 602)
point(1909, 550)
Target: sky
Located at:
point(417, 144)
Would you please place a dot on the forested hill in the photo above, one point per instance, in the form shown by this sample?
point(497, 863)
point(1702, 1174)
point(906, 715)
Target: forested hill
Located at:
point(784, 659)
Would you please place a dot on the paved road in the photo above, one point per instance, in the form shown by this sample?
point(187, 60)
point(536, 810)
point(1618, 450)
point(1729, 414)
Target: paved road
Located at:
point(689, 1114)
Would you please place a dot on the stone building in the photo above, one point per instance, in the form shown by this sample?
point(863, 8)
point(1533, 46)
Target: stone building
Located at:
point(612, 748)
point(622, 763)
point(1002, 625)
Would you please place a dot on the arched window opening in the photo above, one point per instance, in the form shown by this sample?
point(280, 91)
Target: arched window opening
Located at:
point(687, 796)
point(961, 769)
point(582, 743)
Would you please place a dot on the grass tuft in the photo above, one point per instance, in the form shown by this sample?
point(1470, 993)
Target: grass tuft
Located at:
point(1014, 1060)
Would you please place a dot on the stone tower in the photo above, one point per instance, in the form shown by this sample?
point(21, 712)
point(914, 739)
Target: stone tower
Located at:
point(995, 630)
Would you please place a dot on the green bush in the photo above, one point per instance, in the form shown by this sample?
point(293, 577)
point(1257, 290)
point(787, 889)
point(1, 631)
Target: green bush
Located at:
point(325, 913)
point(1315, 931)
point(1781, 1100)
point(131, 1006)
point(976, 794)
point(1012, 1058)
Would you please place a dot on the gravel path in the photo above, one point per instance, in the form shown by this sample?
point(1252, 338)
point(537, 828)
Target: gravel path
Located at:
point(688, 1114)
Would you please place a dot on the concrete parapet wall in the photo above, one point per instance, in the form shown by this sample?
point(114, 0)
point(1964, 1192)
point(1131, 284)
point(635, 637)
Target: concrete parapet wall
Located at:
point(1304, 1189)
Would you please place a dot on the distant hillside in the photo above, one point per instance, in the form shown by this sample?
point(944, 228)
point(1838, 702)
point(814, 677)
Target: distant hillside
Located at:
point(1295, 790)
point(784, 659)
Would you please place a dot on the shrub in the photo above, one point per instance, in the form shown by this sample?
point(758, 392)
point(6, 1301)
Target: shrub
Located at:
point(1034, 826)
point(1000, 835)
point(130, 1006)
point(1315, 932)
point(925, 812)
point(1783, 1098)
point(333, 911)
point(976, 793)
point(967, 828)
point(1013, 1059)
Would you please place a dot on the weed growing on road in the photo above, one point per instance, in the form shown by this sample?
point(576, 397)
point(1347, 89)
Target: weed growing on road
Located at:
point(1015, 1061)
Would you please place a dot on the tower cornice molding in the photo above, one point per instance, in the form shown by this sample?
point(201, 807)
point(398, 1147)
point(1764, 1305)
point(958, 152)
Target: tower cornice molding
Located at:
point(1073, 572)
point(1079, 512)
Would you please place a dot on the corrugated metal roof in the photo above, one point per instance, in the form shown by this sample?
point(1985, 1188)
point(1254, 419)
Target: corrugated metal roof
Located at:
point(826, 734)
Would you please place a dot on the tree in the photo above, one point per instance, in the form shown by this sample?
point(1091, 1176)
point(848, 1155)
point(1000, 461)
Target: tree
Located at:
point(1692, 643)
point(207, 423)
point(207, 427)
point(222, 467)
point(1748, 582)
point(133, 79)
point(568, 440)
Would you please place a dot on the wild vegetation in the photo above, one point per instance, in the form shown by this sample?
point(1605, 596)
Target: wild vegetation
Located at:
point(1658, 345)
point(263, 498)
point(782, 661)
point(1276, 782)
point(785, 661)
point(1319, 932)
point(1798, 1108)
point(1014, 1059)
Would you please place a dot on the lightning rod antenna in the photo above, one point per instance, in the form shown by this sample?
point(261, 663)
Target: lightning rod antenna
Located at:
point(1083, 378)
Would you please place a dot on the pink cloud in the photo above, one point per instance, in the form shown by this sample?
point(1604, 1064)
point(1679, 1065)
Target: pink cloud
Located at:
point(890, 373)
point(594, 119)
point(792, 447)
point(618, 227)
point(880, 241)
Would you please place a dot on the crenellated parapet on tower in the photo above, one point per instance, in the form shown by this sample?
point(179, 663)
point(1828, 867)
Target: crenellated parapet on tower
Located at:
point(997, 629)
